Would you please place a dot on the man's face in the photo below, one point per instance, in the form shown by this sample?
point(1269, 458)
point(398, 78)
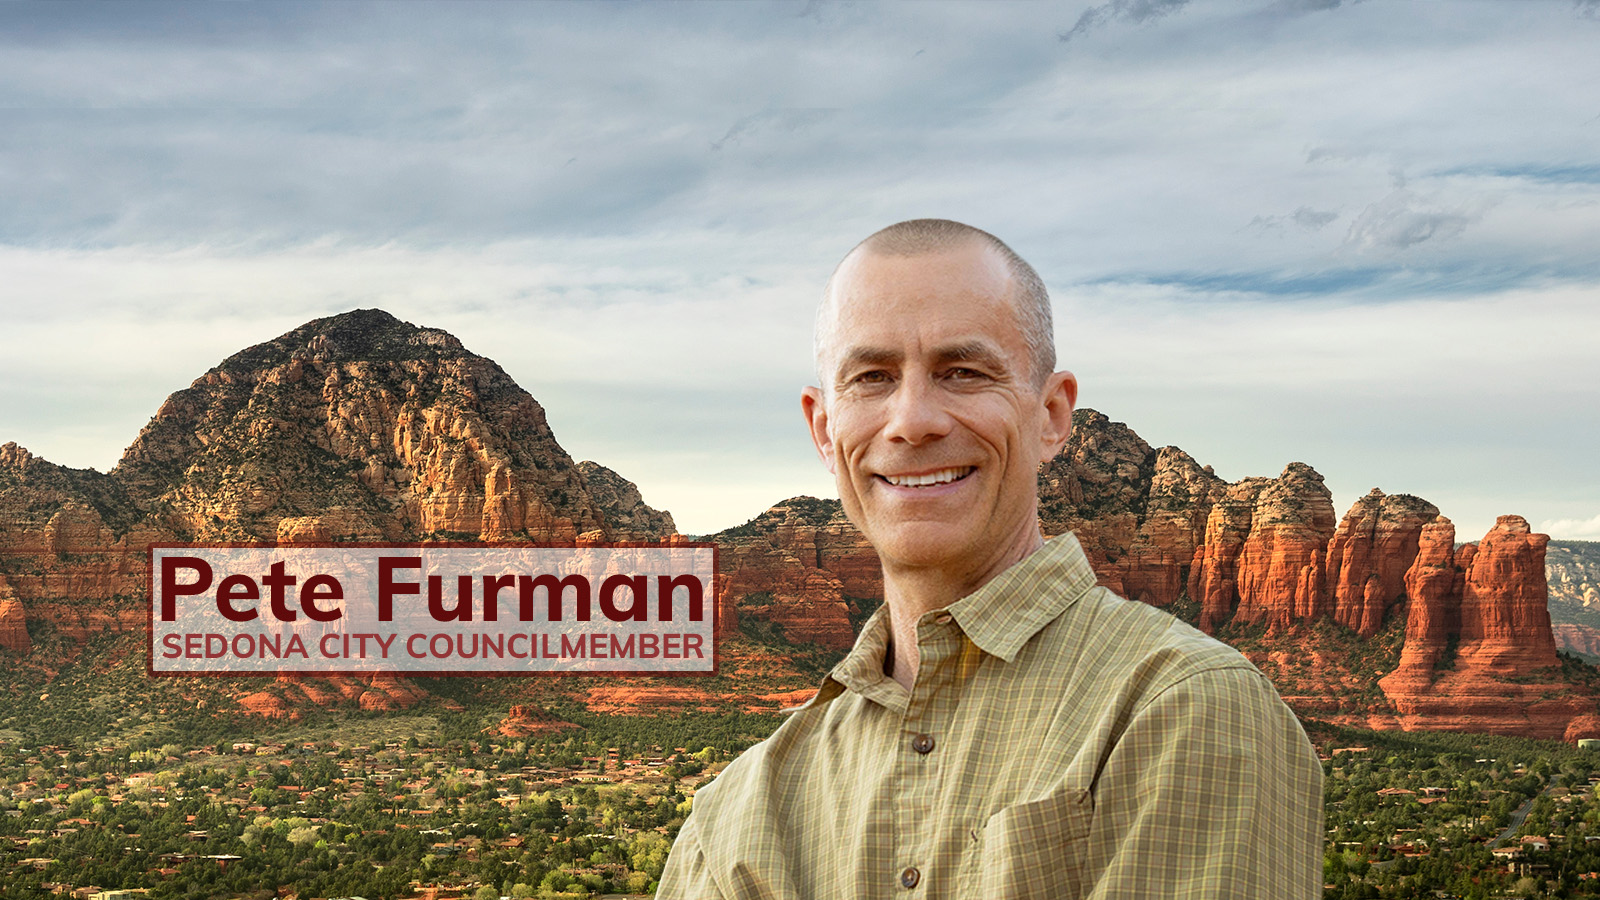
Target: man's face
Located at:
point(931, 423)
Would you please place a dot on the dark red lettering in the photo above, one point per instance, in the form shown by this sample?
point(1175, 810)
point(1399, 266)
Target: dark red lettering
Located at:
point(321, 587)
point(277, 581)
point(637, 611)
point(492, 584)
point(388, 588)
point(555, 591)
point(664, 589)
point(171, 589)
point(237, 587)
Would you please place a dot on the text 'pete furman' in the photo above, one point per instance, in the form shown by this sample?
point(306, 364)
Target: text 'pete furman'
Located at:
point(515, 600)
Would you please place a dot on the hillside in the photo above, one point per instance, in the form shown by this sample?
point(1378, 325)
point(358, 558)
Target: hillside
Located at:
point(1572, 570)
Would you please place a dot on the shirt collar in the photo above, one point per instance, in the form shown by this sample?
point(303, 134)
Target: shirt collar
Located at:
point(1002, 615)
point(999, 617)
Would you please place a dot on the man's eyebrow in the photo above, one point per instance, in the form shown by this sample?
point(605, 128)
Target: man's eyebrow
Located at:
point(970, 351)
point(869, 356)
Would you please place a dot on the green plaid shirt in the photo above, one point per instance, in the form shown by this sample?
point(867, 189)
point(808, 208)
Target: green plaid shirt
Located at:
point(1059, 742)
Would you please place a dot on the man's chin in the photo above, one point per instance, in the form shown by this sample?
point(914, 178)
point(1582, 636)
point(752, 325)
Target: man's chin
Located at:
point(924, 545)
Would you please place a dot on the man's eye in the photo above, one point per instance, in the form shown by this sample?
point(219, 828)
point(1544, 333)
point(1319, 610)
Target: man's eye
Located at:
point(961, 373)
point(873, 377)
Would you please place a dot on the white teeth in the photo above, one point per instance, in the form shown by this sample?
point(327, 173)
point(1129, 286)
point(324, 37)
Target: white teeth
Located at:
point(943, 476)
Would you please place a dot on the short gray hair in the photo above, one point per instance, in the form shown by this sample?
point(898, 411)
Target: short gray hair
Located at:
point(916, 237)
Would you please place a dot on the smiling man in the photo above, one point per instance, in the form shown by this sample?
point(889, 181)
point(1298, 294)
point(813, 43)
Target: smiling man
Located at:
point(1003, 726)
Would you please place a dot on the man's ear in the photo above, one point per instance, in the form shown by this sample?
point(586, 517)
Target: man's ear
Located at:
point(815, 407)
point(1060, 398)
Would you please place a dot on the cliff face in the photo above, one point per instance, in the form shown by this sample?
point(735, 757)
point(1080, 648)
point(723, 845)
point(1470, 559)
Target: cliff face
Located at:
point(1370, 554)
point(13, 622)
point(72, 550)
point(1281, 563)
point(1433, 622)
point(801, 566)
point(624, 510)
point(1139, 512)
point(1505, 615)
point(1572, 571)
point(1214, 578)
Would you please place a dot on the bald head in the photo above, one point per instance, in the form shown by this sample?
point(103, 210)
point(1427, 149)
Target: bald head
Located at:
point(921, 237)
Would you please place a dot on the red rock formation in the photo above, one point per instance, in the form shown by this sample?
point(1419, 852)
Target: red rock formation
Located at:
point(361, 427)
point(1095, 488)
point(1583, 726)
point(797, 565)
point(1280, 576)
point(1214, 577)
point(1369, 556)
point(267, 705)
point(1139, 513)
point(1505, 677)
point(13, 622)
point(1433, 584)
point(630, 699)
point(524, 720)
point(1177, 509)
point(386, 692)
point(1505, 615)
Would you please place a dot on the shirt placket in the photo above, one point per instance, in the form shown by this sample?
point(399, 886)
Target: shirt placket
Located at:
point(918, 871)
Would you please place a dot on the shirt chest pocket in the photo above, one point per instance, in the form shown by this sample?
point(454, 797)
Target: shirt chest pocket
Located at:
point(1033, 849)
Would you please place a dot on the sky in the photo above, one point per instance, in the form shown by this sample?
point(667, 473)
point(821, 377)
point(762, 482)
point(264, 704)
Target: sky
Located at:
point(1360, 235)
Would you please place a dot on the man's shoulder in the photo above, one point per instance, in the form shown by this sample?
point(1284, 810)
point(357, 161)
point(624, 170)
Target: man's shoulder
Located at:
point(1110, 638)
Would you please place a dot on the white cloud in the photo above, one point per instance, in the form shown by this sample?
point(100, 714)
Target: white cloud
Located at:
point(1572, 529)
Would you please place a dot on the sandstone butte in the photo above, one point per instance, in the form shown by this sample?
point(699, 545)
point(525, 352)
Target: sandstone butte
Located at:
point(363, 427)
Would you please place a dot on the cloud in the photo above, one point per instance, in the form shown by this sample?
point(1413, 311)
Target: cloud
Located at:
point(1313, 219)
point(1305, 218)
point(1572, 529)
point(1136, 11)
point(1308, 6)
point(1402, 220)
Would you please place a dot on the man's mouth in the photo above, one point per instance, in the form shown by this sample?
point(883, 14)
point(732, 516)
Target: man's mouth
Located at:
point(930, 479)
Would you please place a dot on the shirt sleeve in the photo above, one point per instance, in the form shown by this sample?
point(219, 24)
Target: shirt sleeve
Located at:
point(1212, 791)
point(686, 876)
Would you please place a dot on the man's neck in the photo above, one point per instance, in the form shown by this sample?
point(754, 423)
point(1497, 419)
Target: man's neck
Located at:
point(910, 592)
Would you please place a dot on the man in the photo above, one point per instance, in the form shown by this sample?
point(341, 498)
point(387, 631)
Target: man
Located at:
point(1003, 727)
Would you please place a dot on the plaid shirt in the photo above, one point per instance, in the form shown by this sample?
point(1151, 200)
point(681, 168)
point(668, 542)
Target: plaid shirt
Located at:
point(1058, 742)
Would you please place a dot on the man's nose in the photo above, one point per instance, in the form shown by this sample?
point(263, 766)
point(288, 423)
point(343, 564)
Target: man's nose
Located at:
point(917, 412)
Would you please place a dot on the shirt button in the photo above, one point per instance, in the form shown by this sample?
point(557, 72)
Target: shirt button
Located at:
point(922, 743)
point(910, 877)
